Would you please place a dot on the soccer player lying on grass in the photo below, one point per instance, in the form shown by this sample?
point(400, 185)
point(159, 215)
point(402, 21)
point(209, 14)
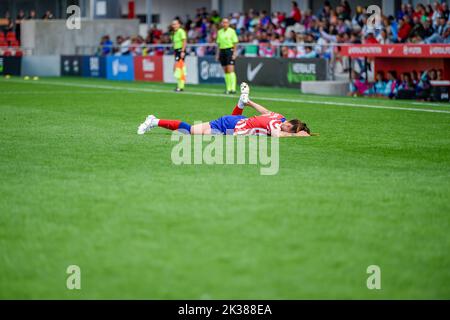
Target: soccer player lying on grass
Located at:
point(267, 123)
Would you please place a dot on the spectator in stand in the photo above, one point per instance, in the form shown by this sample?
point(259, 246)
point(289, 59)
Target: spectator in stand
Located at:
point(383, 38)
point(423, 88)
point(215, 17)
point(346, 9)
point(370, 39)
point(20, 17)
point(342, 13)
point(153, 34)
point(136, 46)
point(438, 35)
point(287, 52)
point(432, 74)
point(358, 85)
point(308, 20)
point(266, 31)
point(379, 87)
point(436, 13)
point(407, 88)
point(404, 29)
point(32, 15)
point(296, 15)
point(105, 46)
point(391, 88)
point(122, 47)
point(48, 15)
point(415, 77)
point(325, 13)
point(309, 53)
point(445, 12)
point(9, 27)
point(402, 12)
point(357, 20)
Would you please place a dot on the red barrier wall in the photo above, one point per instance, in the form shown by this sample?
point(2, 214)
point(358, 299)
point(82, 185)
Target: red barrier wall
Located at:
point(409, 64)
point(148, 68)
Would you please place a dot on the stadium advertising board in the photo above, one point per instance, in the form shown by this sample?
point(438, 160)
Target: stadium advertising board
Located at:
point(280, 72)
point(191, 69)
point(299, 70)
point(259, 71)
point(93, 66)
point(10, 65)
point(397, 50)
point(120, 68)
point(71, 65)
point(209, 70)
point(148, 68)
point(42, 66)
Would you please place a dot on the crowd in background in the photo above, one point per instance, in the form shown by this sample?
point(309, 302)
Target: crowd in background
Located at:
point(410, 85)
point(300, 34)
point(303, 34)
point(297, 34)
point(12, 26)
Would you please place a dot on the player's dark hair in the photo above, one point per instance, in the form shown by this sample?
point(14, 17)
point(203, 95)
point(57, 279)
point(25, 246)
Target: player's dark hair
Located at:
point(298, 126)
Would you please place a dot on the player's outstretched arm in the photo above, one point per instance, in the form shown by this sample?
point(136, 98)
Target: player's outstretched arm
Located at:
point(258, 107)
point(282, 134)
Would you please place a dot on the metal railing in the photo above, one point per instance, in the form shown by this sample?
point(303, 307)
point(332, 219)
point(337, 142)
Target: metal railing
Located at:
point(263, 50)
point(294, 50)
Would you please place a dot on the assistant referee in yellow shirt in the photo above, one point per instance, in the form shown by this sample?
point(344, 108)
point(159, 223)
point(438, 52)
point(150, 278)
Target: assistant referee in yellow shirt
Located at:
point(227, 41)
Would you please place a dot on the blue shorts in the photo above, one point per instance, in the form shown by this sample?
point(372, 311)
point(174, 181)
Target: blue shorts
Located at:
point(221, 125)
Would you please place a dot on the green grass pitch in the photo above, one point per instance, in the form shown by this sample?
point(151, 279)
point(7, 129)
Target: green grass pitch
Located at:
point(79, 186)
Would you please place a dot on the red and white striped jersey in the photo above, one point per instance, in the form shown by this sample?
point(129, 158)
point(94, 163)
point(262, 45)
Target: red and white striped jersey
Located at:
point(259, 125)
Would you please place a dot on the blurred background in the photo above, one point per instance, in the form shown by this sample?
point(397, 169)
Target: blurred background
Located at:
point(322, 31)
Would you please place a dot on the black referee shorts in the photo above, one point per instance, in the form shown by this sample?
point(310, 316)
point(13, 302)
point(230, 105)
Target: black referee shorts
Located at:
point(178, 54)
point(226, 57)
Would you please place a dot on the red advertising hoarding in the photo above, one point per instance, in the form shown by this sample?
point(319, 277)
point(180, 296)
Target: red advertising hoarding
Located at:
point(148, 68)
point(403, 57)
point(397, 50)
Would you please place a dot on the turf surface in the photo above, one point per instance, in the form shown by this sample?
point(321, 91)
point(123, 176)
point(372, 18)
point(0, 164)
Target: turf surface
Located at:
point(78, 186)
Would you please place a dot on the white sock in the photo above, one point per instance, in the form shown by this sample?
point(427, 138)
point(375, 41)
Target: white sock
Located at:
point(241, 104)
point(155, 122)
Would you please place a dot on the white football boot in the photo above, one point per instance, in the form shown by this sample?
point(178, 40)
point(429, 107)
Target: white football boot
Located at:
point(244, 98)
point(147, 125)
point(245, 88)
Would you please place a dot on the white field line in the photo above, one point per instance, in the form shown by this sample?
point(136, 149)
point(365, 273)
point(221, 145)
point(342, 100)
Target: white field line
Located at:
point(25, 92)
point(322, 103)
point(429, 104)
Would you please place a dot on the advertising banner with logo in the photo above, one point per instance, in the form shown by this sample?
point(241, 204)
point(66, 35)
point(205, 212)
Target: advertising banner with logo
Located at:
point(259, 71)
point(94, 67)
point(210, 70)
point(280, 72)
point(148, 68)
point(10, 65)
point(119, 68)
point(191, 69)
point(41, 66)
point(404, 57)
point(71, 65)
point(297, 71)
point(397, 50)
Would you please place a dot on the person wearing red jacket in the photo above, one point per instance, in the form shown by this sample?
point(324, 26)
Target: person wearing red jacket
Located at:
point(404, 29)
point(296, 15)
